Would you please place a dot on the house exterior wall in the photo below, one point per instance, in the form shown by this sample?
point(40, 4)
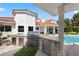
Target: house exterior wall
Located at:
point(12, 24)
point(21, 18)
point(11, 32)
point(24, 20)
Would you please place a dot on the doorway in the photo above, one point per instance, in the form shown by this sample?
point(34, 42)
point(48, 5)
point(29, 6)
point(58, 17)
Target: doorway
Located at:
point(13, 40)
point(21, 41)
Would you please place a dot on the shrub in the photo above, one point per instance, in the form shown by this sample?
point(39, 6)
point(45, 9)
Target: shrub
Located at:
point(4, 38)
point(76, 29)
point(68, 29)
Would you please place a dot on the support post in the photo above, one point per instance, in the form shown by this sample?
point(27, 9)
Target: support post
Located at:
point(61, 29)
point(17, 41)
point(45, 30)
point(40, 44)
point(54, 30)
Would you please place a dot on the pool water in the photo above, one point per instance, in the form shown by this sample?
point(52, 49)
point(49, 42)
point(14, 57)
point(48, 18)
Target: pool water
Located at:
point(71, 39)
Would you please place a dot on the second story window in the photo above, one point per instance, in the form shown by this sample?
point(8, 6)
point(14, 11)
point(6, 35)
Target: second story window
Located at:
point(30, 28)
point(20, 28)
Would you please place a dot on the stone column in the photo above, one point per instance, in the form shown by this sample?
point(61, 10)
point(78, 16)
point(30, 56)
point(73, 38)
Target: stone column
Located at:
point(45, 30)
point(40, 44)
point(61, 28)
point(25, 41)
point(52, 49)
point(17, 41)
point(54, 30)
point(48, 29)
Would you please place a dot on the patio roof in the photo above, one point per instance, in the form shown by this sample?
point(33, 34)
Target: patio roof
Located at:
point(51, 8)
point(59, 9)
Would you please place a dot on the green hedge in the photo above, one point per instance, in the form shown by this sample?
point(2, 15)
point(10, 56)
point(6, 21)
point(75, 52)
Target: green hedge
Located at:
point(68, 29)
point(30, 51)
point(71, 29)
point(76, 29)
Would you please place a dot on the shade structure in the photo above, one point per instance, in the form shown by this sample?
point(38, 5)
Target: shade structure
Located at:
point(59, 9)
point(51, 8)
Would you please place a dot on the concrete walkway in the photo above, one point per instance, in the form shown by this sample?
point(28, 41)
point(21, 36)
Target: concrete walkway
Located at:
point(8, 50)
point(40, 53)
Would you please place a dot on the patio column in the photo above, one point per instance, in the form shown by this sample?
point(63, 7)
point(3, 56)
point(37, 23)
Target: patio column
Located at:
point(17, 41)
point(45, 30)
point(54, 30)
point(61, 29)
point(40, 44)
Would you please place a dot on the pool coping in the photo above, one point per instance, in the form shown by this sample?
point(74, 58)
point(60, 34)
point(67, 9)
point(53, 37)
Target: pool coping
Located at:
point(71, 43)
point(71, 35)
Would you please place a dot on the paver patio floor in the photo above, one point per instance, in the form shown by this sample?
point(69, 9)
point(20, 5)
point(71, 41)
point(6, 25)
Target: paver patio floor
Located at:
point(8, 50)
point(40, 53)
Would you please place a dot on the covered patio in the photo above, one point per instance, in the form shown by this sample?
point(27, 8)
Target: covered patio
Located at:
point(47, 26)
point(58, 9)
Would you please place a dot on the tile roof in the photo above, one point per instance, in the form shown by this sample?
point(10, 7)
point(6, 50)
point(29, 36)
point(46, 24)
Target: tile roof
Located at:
point(47, 22)
point(7, 19)
point(39, 22)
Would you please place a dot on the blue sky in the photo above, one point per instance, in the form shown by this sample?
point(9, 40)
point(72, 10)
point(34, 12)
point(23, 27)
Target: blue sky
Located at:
point(6, 10)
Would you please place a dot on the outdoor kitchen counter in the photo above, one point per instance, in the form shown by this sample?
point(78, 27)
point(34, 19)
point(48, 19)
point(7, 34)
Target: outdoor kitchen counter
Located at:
point(49, 37)
point(49, 44)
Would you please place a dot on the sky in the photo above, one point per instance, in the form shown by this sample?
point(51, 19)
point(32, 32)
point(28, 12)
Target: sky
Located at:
point(7, 8)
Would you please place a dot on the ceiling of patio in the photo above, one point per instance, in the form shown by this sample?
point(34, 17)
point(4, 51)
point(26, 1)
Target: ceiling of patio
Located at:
point(51, 8)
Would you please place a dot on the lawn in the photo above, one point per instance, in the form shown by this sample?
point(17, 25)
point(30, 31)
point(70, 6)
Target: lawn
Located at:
point(31, 51)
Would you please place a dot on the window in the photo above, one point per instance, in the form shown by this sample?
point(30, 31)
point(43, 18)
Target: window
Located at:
point(7, 28)
point(37, 28)
point(2, 28)
point(30, 28)
point(20, 28)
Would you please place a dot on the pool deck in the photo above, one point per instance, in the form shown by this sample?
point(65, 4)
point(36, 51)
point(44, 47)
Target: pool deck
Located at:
point(71, 50)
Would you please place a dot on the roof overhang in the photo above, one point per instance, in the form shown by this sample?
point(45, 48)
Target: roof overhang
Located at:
point(23, 11)
point(51, 8)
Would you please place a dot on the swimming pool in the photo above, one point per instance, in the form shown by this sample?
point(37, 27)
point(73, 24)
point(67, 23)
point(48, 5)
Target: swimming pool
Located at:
point(71, 39)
